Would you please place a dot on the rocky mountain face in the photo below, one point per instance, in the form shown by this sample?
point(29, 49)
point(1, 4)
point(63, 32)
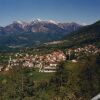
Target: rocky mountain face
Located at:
point(39, 26)
point(20, 33)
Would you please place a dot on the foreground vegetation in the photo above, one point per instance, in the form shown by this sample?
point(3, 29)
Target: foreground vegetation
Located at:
point(72, 81)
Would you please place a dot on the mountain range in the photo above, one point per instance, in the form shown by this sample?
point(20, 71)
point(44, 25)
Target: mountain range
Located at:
point(38, 25)
point(23, 34)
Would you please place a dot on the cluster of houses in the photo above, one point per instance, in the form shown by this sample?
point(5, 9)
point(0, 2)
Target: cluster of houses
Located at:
point(75, 54)
point(45, 63)
point(90, 49)
point(49, 62)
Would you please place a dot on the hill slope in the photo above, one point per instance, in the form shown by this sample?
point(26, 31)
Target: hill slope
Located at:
point(86, 35)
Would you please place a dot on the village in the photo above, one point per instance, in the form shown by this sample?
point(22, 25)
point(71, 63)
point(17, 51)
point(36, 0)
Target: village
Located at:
point(47, 63)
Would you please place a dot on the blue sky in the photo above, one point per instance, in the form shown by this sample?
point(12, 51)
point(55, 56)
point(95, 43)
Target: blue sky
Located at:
point(80, 11)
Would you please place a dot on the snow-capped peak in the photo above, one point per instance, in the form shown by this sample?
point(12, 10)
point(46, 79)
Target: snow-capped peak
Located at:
point(37, 20)
point(43, 21)
point(52, 21)
point(19, 22)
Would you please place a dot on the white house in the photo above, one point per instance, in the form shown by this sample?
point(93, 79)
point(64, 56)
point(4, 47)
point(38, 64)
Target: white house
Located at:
point(48, 69)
